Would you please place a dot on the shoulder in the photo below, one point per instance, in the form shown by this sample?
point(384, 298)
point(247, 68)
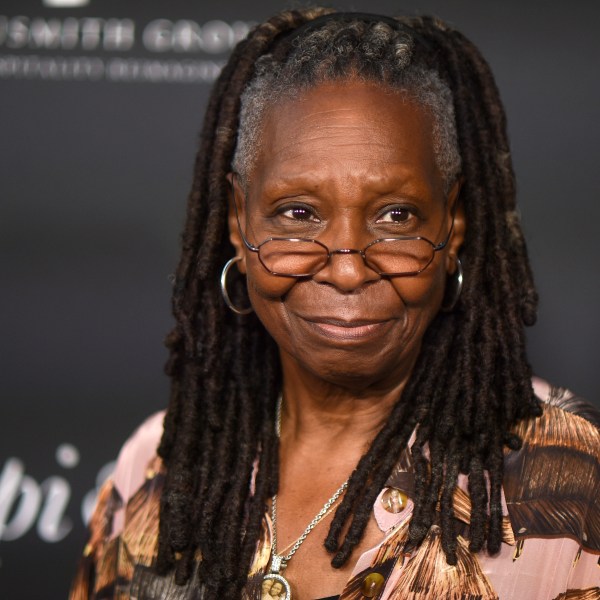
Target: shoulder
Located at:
point(124, 505)
point(565, 400)
point(135, 456)
point(568, 422)
point(552, 483)
point(569, 427)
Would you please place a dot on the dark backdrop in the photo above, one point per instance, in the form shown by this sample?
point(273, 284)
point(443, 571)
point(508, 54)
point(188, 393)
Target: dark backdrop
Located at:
point(99, 112)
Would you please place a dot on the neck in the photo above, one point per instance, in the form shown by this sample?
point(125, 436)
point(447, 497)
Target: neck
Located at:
point(317, 413)
point(326, 427)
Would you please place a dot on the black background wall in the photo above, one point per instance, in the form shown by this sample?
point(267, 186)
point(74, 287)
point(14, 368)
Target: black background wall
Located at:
point(99, 112)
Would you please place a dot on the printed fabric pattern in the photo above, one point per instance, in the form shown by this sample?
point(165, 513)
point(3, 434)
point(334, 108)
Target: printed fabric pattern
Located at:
point(551, 531)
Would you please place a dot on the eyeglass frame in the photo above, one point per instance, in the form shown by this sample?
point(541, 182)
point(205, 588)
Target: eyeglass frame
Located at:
point(347, 251)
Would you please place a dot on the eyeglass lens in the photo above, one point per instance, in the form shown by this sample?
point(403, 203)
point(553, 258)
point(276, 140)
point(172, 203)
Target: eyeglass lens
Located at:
point(307, 257)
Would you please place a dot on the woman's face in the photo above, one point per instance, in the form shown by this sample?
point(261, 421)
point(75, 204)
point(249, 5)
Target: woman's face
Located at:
point(347, 163)
point(276, 589)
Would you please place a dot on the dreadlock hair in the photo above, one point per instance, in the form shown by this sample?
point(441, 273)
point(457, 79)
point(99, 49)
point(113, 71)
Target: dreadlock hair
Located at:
point(471, 382)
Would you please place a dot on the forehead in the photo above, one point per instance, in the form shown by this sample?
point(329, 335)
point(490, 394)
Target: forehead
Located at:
point(347, 126)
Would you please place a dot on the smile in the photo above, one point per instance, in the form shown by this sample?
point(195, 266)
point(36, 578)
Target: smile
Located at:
point(355, 330)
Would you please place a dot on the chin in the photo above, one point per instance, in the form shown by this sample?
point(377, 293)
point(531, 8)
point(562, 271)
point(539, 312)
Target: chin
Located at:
point(356, 371)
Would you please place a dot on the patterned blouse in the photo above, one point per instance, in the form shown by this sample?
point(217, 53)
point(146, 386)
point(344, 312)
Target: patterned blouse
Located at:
point(551, 531)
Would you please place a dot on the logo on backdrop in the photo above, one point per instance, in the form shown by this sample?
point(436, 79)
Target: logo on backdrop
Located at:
point(96, 49)
point(25, 503)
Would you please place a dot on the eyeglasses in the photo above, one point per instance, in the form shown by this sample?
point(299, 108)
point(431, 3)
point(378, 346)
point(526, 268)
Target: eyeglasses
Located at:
point(304, 257)
point(301, 257)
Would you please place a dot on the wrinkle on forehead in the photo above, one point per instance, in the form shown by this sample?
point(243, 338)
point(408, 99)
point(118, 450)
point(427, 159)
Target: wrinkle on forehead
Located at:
point(357, 131)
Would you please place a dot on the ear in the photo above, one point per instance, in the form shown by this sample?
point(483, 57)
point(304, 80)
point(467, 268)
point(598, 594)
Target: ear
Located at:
point(457, 237)
point(236, 217)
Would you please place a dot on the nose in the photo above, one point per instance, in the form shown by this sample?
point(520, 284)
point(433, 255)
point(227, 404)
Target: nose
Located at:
point(346, 270)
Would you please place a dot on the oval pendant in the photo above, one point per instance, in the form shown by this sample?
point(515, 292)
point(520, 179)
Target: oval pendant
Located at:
point(275, 587)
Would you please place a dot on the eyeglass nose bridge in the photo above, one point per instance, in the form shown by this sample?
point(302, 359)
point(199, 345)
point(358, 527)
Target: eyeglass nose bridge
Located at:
point(330, 253)
point(347, 251)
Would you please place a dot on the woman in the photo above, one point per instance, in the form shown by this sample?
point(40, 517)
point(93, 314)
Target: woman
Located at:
point(370, 381)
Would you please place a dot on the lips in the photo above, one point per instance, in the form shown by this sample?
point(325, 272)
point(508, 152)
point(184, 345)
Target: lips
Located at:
point(354, 329)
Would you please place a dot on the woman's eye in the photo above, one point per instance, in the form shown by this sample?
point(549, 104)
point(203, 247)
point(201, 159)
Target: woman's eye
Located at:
point(300, 213)
point(395, 215)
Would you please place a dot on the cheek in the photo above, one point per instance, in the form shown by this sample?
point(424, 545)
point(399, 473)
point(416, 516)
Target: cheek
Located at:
point(425, 291)
point(266, 293)
point(262, 286)
point(268, 288)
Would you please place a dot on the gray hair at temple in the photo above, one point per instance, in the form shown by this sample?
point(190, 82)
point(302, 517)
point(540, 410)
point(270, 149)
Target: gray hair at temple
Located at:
point(376, 52)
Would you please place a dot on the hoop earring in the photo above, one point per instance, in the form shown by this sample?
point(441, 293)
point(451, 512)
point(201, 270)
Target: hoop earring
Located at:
point(458, 286)
point(225, 294)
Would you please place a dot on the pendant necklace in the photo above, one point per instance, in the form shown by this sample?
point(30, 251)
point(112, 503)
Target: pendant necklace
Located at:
point(279, 561)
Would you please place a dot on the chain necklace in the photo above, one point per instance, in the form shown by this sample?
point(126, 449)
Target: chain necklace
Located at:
point(279, 561)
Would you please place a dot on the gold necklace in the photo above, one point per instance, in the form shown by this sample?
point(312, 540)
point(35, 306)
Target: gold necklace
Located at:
point(279, 561)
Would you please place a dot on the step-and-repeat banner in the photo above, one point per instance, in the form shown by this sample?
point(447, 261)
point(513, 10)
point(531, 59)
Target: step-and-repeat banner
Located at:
point(100, 106)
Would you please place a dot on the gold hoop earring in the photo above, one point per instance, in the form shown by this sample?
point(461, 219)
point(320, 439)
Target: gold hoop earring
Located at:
point(458, 286)
point(225, 293)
